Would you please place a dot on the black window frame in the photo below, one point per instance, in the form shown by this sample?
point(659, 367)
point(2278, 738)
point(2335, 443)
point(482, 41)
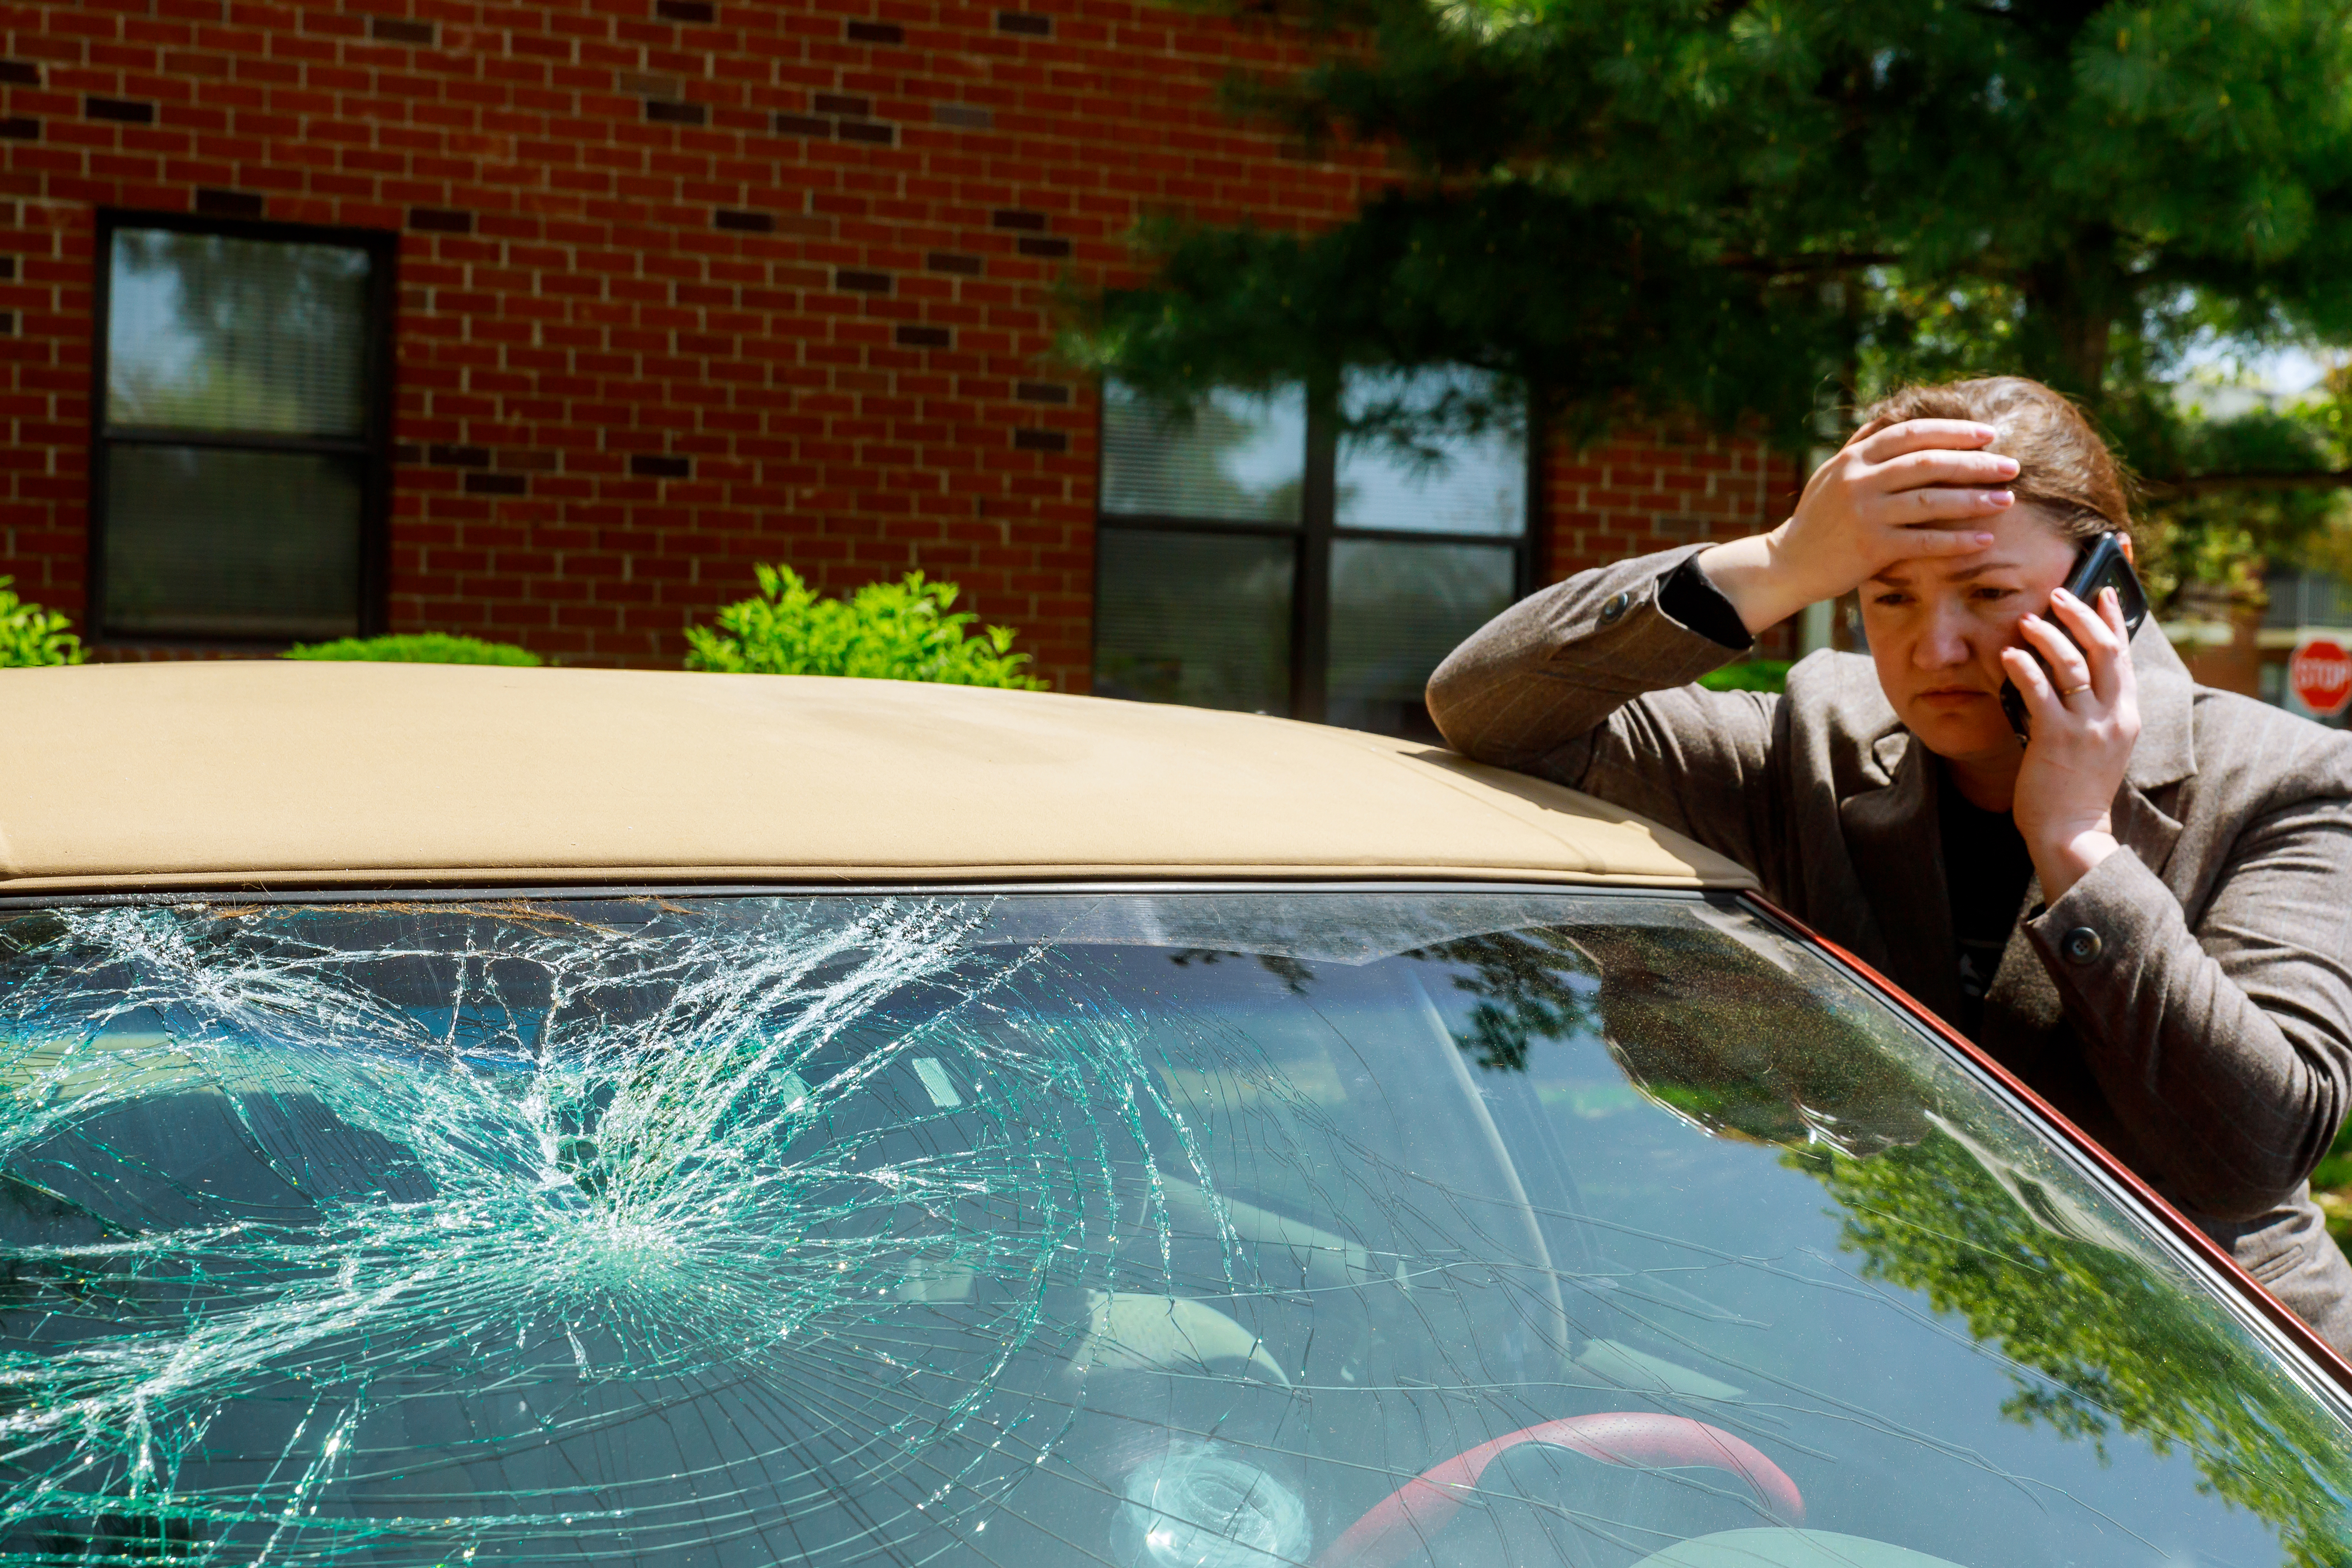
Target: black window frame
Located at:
point(373, 446)
point(1314, 535)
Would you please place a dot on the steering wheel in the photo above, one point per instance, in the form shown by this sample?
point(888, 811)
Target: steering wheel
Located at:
point(1412, 1513)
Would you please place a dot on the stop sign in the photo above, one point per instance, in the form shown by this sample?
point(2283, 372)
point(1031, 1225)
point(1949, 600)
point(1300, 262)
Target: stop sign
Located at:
point(2321, 676)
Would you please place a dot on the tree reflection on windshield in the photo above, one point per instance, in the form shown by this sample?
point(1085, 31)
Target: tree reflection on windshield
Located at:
point(2120, 1355)
point(1714, 1033)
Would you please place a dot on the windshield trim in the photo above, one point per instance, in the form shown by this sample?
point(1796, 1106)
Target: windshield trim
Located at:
point(2330, 1373)
point(476, 892)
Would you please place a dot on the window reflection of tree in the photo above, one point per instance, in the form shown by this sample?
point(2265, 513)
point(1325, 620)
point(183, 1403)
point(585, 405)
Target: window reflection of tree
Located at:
point(2123, 1349)
point(1730, 1042)
point(1528, 985)
point(1715, 1033)
point(279, 330)
point(1294, 974)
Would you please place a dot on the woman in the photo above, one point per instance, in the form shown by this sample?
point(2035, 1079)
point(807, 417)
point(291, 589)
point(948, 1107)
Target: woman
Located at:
point(2145, 912)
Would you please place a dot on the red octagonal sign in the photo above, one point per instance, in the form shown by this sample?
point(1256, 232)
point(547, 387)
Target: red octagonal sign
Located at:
point(2321, 674)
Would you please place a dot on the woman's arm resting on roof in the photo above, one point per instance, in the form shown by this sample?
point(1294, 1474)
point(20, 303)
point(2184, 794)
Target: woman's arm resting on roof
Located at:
point(1588, 683)
point(2227, 1050)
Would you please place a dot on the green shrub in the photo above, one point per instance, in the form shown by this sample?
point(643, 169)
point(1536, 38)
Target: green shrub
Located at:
point(884, 631)
point(416, 648)
point(30, 635)
point(1748, 675)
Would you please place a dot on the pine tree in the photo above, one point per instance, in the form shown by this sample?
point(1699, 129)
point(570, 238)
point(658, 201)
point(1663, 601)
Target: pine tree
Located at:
point(1754, 210)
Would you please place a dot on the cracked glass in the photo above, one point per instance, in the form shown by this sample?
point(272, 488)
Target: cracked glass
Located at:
point(1181, 1230)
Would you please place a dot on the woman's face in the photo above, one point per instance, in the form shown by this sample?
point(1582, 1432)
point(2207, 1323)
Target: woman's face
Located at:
point(1937, 628)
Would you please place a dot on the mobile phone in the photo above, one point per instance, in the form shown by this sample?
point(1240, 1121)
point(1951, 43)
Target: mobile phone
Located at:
point(2101, 565)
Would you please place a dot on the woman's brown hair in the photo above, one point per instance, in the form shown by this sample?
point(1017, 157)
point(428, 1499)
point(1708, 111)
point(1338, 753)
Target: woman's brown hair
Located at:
point(2063, 468)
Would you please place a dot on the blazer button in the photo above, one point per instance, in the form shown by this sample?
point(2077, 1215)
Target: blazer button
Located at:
point(1614, 610)
point(2080, 945)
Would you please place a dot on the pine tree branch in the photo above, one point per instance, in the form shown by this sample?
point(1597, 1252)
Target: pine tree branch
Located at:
point(2255, 480)
point(1798, 266)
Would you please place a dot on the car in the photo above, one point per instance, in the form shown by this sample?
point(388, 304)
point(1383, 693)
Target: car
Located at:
point(463, 1115)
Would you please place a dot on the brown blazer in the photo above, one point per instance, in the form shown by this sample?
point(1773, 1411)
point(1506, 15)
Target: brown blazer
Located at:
point(2205, 1036)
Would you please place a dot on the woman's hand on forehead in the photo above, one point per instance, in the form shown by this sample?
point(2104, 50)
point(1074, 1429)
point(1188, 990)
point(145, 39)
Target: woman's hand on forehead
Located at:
point(1893, 492)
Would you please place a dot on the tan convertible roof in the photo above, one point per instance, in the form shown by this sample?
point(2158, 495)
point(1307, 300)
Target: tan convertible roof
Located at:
point(278, 774)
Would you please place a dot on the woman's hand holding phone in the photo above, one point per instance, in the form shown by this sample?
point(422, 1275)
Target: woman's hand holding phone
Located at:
point(2085, 708)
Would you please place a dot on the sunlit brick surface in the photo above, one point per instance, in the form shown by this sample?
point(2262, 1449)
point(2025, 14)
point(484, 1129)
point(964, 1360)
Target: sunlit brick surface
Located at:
point(689, 284)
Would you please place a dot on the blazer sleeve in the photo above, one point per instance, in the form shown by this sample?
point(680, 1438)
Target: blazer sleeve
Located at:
point(2226, 1049)
point(1588, 684)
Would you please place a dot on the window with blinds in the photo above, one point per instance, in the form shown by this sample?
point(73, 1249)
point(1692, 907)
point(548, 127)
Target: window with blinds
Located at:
point(239, 462)
point(1263, 554)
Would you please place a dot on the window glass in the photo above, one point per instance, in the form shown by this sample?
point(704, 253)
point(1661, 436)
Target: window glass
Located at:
point(1239, 459)
point(240, 442)
point(1197, 618)
point(208, 332)
point(1398, 608)
point(1190, 1230)
point(202, 542)
point(1458, 483)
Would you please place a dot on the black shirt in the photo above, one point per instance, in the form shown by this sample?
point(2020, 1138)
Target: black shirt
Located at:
point(1986, 869)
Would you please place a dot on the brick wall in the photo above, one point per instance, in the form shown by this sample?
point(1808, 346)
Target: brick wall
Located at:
point(1644, 489)
point(689, 284)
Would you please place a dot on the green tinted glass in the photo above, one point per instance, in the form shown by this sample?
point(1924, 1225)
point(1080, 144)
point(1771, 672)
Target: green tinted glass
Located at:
point(1192, 1230)
point(202, 542)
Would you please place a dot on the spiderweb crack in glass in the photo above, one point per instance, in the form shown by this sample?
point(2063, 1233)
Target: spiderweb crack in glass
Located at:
point(525, 1180)
point(1160, 1231)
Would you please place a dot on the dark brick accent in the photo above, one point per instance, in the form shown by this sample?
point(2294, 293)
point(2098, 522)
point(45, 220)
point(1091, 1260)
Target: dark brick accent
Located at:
point(400, 30)
point(923, 337)
point(862, 282)
point(685, 10)
point(678, 113)
point(803, 125)
point(1040, 392)
point(951, 261)
point(1040, 441)
point(22, 74)
point(962, 116)
point(128, 111)
point(743, 222)
point(660, 466)
point(459, 456)
point(230, 204)
point(1039, 244)
point(440, 220)
point(868, 130)
point(1026, 23)
point(7, 270)
point(7, 323)
point(408, 452)
point(496, 485)
point(874, 32)
point(16, 127)
point(1017, 217)
point(842, 104)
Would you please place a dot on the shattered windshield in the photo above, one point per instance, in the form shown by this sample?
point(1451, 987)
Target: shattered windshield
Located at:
point(1181, 1230)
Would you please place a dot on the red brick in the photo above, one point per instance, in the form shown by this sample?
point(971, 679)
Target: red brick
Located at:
point(597, 310)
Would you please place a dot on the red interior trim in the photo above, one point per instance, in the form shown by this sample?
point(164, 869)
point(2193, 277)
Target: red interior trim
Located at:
point(1390, 1528)
point(2305, 1338)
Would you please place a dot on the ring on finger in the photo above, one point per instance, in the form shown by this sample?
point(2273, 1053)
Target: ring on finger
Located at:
point(2073, 691)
